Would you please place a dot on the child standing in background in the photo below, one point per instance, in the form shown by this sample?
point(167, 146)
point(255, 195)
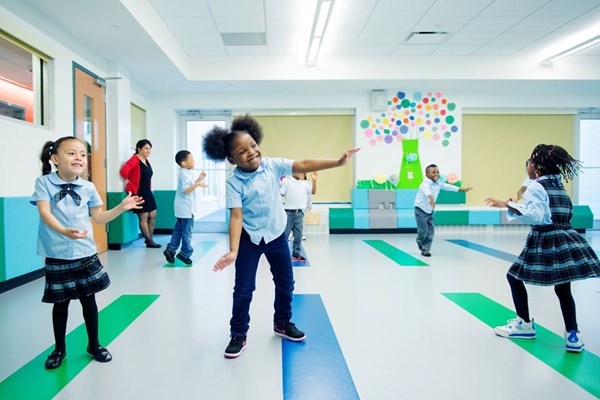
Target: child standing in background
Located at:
point(554, 254)
point(296, 201)
point(425, 205)
point(65, 202)
point(257, 223)
point(185, 207)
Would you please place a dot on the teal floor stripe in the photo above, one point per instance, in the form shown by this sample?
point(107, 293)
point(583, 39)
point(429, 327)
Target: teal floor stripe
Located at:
point(200, 249)
point(395, 254)
point(33, 381)
point(583, 368)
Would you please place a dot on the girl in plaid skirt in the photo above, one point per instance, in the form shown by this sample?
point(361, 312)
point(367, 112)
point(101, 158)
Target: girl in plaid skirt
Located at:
point(554, 254)
point(65, 202)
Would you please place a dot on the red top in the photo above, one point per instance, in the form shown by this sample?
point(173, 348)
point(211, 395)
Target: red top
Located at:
point(131, 171)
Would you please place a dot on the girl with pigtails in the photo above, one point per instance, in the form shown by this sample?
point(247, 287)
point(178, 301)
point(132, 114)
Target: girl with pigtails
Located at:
point(73, 271)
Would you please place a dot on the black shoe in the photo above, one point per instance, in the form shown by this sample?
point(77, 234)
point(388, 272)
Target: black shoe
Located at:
point(425, 253)
point(169, 255)
point(236, 345)
point(290, 332)
point(100, 354)
point(55, 359)
point(152, 245)
point(186, 260)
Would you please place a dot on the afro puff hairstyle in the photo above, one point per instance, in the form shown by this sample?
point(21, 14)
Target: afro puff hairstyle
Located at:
point(218, 142)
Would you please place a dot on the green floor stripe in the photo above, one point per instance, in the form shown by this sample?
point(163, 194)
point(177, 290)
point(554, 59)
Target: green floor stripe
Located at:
point(33, 381)
point(583, 368)
point(395, 254)
point(200, 248)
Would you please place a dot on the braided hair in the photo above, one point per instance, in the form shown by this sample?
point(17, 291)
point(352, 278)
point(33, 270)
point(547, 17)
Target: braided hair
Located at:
point(554, 160)
point(218, 142)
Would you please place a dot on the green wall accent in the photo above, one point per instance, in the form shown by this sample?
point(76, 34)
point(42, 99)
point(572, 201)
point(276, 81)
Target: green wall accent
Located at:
point(341, 218)
point(451, 217)
point(583, 218)
point(165, 214)
point(447, 197)
point(124, 228)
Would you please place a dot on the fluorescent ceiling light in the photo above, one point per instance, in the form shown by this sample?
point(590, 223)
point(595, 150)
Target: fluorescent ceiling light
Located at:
point(320, 21)
point(575, 49)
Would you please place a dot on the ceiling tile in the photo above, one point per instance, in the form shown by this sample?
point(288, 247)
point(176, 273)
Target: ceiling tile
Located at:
point(539, 24)
point(513, 7)
point(205, 51)
point(199, 39)
point(440, 23)
point(402, 7)
point(450, 50)
point(180, 8)
point(256, 51)
point(391, 23)
point(408, 50)
point(240, 24)
point(190, 24)
point(374, 50)
point(490, 24)
point(236, 8)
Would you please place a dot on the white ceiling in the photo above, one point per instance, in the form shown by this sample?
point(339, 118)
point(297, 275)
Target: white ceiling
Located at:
point(172, 45)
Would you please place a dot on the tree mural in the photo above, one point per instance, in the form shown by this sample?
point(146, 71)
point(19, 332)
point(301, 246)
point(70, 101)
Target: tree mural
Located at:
point(409, 120)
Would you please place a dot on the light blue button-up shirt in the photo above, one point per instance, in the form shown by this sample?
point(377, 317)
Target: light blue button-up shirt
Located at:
point(427, 188)
point(185, 204)
point(536, 205)
point(53, 244)
point(257, 194)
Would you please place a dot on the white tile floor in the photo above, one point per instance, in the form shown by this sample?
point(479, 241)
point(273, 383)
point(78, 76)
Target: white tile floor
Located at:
point(400, 337)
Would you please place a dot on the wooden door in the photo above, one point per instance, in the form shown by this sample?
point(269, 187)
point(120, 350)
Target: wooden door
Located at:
point(90, 127)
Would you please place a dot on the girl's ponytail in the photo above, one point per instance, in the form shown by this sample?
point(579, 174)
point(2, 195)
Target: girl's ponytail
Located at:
point(47, 151)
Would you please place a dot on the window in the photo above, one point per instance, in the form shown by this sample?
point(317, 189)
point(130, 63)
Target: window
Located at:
point(23, 81)
point(589, 155)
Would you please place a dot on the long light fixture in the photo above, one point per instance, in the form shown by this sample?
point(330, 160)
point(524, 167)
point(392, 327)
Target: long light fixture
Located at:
point(575, 49)
point(322, 14)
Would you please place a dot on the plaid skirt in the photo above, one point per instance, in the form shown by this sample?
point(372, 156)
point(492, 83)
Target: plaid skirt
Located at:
point(73, 279)
point(554, 257)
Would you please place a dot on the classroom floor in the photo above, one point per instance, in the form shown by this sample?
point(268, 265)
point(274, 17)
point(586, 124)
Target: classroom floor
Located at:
point(382, 322)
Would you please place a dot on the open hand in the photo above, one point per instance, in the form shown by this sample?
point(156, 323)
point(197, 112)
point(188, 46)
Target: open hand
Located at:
point(74, 233)
point(495, 202)
point(348, 154)
point(225, 261)
point(130, 202)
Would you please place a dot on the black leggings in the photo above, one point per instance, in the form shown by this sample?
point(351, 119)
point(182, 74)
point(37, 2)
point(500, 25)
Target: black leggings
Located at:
point(60, 313)
point(563, 292)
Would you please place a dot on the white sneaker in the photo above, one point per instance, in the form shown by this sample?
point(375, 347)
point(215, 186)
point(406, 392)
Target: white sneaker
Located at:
point(303, 237)
point(573, 341)
point(516, 329)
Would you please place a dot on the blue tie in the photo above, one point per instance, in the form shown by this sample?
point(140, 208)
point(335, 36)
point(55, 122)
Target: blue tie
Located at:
point(67, 189)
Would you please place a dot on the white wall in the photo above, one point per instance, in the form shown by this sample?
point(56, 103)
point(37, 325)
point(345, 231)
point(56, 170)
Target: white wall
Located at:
point(22, 142)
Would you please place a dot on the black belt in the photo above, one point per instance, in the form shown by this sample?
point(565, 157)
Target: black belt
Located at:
point(293, 211)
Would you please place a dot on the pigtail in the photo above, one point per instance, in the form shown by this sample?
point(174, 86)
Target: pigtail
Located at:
point(215, 144)
point(47, 151)
point(246, 123)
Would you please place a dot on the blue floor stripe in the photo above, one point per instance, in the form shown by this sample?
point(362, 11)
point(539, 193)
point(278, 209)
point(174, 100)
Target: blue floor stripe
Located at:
point(315, 368)
point(485, 250)
point(303, 254)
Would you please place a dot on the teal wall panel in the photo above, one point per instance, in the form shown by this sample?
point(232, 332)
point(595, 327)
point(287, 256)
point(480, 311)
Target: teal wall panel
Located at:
point(20, 221)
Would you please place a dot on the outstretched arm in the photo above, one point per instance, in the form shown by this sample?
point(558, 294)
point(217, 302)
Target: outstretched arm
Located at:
point(235, 231)
point(312, 165)
point(129, 202)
